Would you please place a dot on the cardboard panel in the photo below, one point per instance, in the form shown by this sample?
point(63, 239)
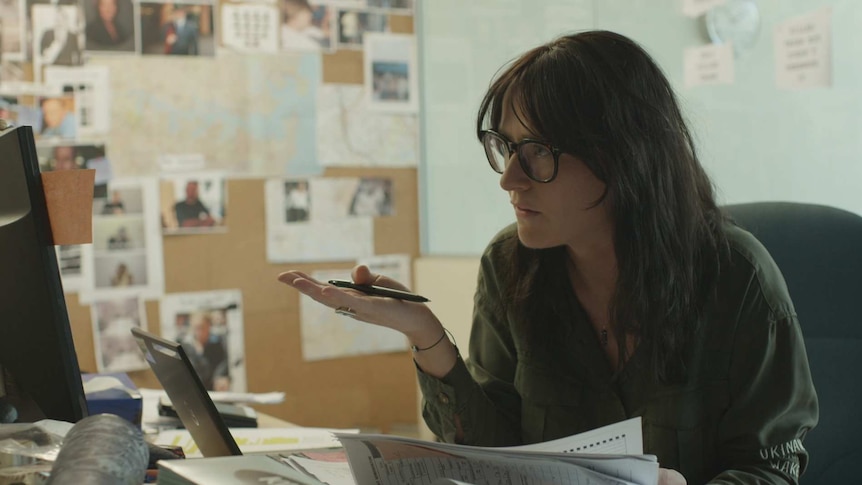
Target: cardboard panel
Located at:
point(401, 24)
point(449, 283)
point(344, 66)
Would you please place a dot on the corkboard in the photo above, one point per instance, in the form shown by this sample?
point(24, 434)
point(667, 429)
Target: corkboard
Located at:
point(346, 66)
point(377, 392)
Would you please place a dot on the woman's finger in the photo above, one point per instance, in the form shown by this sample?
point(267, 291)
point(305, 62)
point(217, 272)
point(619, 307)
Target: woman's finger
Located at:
point(363, 276)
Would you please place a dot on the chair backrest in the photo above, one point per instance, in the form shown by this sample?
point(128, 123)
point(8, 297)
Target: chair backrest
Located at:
point(819, 252)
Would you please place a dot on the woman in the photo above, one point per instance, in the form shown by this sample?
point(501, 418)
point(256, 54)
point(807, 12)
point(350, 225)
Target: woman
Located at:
point(106, 32)
point(122, 276)
point(621, 291)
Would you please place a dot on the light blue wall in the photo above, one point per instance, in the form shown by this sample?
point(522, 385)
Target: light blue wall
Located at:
point(758, 142)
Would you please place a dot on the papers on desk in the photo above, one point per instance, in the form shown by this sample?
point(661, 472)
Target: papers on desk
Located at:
point(247, 397)
point(261, 440)
point(608, 455)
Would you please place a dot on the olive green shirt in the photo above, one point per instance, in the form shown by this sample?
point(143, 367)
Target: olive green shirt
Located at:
point(739, 418)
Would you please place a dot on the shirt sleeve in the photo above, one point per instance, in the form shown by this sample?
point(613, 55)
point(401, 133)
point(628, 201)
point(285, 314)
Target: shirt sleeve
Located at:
point(476, 402)
point(773, 402)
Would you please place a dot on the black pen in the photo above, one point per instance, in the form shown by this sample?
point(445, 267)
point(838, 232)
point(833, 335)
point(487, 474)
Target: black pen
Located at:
point(380, 291)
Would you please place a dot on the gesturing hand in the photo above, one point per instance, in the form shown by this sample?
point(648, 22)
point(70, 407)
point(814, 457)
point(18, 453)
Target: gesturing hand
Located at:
point(412, 319)
point(415, 320)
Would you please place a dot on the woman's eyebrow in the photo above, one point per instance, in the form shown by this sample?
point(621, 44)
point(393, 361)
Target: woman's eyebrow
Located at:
point(527, 134)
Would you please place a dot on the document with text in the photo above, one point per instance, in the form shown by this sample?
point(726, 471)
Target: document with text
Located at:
point(609, 455)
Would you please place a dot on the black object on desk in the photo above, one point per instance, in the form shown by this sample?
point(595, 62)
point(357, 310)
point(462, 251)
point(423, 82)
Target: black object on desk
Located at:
point(234, 416)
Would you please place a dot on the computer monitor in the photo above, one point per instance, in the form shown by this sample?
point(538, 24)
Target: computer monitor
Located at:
point(40, 374)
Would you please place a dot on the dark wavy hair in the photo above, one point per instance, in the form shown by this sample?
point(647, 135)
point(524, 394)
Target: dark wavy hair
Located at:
point(600, 97)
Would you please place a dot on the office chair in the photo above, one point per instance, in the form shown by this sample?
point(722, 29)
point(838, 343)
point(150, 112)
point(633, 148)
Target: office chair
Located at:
point(819, 251)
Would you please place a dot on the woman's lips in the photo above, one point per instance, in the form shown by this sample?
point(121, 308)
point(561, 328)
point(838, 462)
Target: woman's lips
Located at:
point(522, 211)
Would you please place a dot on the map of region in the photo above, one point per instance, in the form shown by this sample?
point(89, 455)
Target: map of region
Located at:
point(349, 134)
point(246, 114)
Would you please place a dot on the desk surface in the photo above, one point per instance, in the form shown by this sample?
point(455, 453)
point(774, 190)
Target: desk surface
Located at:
point(266, 421)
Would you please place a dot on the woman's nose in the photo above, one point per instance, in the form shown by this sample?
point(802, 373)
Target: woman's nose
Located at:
point(513, 177)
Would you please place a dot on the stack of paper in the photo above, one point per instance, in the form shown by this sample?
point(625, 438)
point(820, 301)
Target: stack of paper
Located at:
point(609, 455)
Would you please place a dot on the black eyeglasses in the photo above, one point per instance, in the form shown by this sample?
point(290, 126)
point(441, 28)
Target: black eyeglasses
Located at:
point(538, 159)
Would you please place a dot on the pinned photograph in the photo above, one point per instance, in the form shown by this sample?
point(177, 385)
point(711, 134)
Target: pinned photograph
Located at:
point(127, 244)
point(307, 26)
point(119, 233)
point(119, 201)
point(354, 24)
point(58, 36)
point(57, 117)
point(110, 25)
point(297, 201)
point(90, 87)
point(176, 29)
point(11, 31)
point(209, 325)
point(391, 73)
point(122, 270)
point(13, 108)
point(372, 197)
point(249, 27)
point(193, 203)
point(115, 346)
point(70, 260)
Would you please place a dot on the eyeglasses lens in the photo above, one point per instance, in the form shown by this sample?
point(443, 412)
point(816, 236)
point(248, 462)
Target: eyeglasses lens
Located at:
point(497, 151)
point(537, 160)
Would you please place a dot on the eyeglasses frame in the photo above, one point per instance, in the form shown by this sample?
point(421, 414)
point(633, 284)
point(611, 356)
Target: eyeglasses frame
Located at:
point(515, 147)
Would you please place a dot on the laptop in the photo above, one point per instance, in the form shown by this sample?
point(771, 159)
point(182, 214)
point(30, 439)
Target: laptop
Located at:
point(200, 415)
point(189, 397)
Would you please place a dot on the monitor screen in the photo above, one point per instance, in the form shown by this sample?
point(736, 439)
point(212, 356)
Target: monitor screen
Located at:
point(40, 374)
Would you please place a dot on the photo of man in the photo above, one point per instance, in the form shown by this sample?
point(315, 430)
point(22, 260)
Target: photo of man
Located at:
point(209, 325)
point(176, 29)
point(193, 203)
point(207, 351)
point(58, 117)
point(191, 212)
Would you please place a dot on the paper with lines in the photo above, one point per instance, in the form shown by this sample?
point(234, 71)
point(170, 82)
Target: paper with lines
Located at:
point(622, 438)
point(608, 455)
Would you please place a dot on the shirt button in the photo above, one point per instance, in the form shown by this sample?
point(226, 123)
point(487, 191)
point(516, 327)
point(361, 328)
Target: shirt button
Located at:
point(443, 398)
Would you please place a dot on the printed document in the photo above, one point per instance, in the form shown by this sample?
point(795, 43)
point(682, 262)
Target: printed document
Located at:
point(608, 455)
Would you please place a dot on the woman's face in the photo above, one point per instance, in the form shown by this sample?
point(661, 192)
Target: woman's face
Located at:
point(560, 212)
point(107, 9)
